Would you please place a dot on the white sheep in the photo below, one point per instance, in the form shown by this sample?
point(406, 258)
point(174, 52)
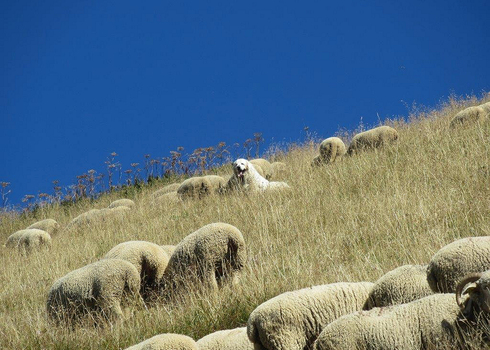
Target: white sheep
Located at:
point(230, 339)
point(97, 216)
point(167, 341)
point(122, 202)
point(438, 321)
point(48, 225)
point(293, 320)
point(98, 290)
point(169, 249)
point(265, 165)
point(373, 138)
point(207, 258)
point(455, 260)
point(279, 170)
point(200, 186)
point(246, 177)
point(399, 286)
point(167, 198)
point(331, 150)
point(469, 115)
point(29, 240)
point(166, 189)
point(149, 259)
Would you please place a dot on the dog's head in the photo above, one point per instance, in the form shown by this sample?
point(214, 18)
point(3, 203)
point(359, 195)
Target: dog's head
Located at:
point(240, 167)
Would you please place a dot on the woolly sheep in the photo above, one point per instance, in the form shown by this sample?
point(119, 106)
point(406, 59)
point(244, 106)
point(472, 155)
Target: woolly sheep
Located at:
point(373, 138)
point(279, 170)
point(122, 202)
point(29, 240)
point(149, 259)
point(169, 249)
point(246, 177)
point(195, 187)
point(97, 289)
point(486, 107)
point(166, 189)
point(469, 115)
point(167, 198)
point(84, 218)
point(453, 261)
point(167, 341)
point(265, 165)
point(217, 182)
point(434, 322)
point(210, 256)
point(48, 225)
point(399, 286)
point(230, 339)
point(294, 319)
point(98, 215)
point(331, 150)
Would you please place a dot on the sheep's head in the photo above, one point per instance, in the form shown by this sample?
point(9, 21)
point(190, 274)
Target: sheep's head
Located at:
point(477, 287)
point(240, 167)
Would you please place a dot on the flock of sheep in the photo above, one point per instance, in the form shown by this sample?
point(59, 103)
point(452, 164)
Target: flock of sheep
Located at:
point(440, 305)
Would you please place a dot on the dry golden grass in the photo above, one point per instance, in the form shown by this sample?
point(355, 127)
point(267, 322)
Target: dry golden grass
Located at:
point(350, 221)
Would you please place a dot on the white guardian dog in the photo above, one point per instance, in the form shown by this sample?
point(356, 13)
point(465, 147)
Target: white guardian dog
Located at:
point(246, 177)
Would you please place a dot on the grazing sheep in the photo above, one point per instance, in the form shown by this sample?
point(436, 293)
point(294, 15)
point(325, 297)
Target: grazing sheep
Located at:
point(399, 286)
point(149, 259)
point(84, 218)
point(293, 320)
point(122, 202)
point(331, 150)
point(230, 339)
point(48, 225)
point(169, 249)
point(373, 138)
point(195, 187)
point(469, 115)
point(29, 240)
point(247, 178)
point(486, 108)
point(279, 170)
point(207, 258)
point(217, 183)
point(167, 341)
point(435, 322)
point(265, 165)
point(166, 189)
point(167, 198)
point(455, 260)
point(97, 289)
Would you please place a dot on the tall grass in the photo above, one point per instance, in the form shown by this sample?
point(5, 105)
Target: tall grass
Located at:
point(351, 221)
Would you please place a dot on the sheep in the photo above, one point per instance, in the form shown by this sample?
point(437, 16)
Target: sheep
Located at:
point(230, 339)
point(217, 183)
point(294, 319)
point(166, 189)
point(486, 108)
point(29, 240)
point(279, 170)
point(48, 225)
point(149, 259)
point(97, 290)
point(122, 202)
point(373, 138)
point(97, 215)
point(168, 341)
point(399, 286)
point(246, 177)
point(207, 258)
point(331, 150)
point(194, 187)
point(453, 261)
point(265, 165)
point(84, 218)
point(169, 249)
point(436, 321)
point(167, 198)
point(469, 115)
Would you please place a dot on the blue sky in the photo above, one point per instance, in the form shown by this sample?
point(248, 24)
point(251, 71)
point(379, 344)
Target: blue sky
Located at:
point(79, 80)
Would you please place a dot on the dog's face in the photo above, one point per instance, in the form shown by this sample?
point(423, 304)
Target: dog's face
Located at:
point(240, 167)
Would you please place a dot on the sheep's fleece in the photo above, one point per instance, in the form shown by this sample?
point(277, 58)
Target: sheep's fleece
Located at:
point(455, 260)
point(293, 320)
point(230, 339)
point(167, 341)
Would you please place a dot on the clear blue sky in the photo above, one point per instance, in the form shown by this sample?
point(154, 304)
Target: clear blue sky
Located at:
point(81, 79)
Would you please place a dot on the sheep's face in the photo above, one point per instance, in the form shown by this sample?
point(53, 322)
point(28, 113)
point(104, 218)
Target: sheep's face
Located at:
point(240, 167)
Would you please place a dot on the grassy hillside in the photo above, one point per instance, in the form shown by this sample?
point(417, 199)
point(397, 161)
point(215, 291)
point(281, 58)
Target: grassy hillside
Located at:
point(351, 221)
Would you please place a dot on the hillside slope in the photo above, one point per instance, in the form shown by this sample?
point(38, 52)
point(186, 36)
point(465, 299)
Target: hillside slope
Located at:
point(351, 221)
